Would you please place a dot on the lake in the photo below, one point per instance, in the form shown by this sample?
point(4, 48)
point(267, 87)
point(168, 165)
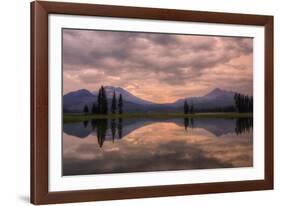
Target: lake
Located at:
point(141, 145)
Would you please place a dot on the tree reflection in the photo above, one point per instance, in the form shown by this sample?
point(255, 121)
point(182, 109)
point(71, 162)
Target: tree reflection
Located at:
point(188, 123)
point(113, 128)
point(94, 124)
point(120, 128)
point(191, 123)
point(85, 123)
point(101, 127)
point(101, 130)
point(243, 125)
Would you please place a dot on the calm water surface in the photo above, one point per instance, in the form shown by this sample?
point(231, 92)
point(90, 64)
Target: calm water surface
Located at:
point(140, 145)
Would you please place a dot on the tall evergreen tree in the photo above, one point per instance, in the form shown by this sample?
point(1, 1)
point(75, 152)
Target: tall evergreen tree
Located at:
point(104, 101)
point(186, 107)
point(251, 106)
point(99, 107)
point(86, 109)
point(113, 105)
point(120, 104)
point(191, 110)
point(243, 103)
point(94, 109)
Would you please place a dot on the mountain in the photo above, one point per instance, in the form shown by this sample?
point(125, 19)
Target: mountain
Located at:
point(125, 94)
point(75, 101)
point(215, 98)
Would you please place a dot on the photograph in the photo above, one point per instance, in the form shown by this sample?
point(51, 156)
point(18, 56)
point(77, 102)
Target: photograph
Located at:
point(146, 102)
point(131, 102)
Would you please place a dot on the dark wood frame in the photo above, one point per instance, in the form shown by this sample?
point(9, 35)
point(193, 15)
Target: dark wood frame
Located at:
point(39, 102)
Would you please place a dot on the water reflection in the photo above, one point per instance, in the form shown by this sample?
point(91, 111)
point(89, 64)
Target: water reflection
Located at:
point(243, 125)
point(85, 123)
point(217, 127)
point(169, 144)
point(187, 123)
point(120, 126)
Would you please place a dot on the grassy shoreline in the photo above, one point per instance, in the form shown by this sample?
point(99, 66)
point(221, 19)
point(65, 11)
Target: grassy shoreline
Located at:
point(68, 118)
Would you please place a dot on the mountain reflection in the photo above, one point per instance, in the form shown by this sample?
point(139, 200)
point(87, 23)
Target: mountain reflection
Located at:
point(114, 129)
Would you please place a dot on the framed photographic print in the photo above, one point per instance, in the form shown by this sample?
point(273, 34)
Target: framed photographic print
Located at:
point(133, 102)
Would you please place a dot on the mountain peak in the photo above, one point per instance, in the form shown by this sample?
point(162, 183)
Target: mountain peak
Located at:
point(109, 87)
point(218, 92)
point(79, 92)
point(127, 96)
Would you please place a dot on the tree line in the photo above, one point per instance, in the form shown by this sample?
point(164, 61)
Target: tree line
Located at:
point(188, 109)
point(243, 103)
point(101, 106)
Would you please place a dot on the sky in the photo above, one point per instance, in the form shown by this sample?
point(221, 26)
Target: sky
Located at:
point(157, 67)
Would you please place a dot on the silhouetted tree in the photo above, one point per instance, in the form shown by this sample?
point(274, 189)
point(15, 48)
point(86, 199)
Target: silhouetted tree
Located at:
point(113, 104)
point(120, 104)
point(243, 103)
point(191, 110)
point(86, 109)
point(99, 102)
point(102, 101)
point(217, 109)
point(186, 107)
point(94, 109)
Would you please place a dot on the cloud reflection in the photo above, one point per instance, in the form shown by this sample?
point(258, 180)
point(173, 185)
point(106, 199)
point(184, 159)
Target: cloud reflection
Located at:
point(155, 147)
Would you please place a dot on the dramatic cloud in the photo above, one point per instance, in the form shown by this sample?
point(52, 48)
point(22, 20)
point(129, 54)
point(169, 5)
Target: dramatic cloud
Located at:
point(157, 67)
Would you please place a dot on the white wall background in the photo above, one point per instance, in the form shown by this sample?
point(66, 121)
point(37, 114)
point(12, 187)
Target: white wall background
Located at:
point(14, 102)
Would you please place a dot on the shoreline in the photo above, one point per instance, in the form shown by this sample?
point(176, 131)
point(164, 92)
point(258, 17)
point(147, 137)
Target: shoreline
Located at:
point(78, 117)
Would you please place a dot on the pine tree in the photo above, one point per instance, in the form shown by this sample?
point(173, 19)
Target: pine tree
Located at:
point(94, 109)
point(120, 104)
point(104, 101)
point(86, 109)
point(243, 103)
point(113, 105)
point(191, 110)
point(99, 107)
point(186, 107)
